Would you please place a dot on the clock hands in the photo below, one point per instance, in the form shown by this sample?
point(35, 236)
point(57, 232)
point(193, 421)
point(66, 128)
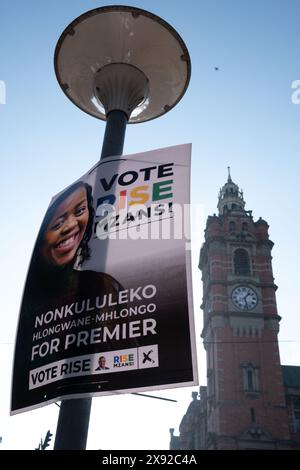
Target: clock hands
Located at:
point(242, 299)
point(245, 298)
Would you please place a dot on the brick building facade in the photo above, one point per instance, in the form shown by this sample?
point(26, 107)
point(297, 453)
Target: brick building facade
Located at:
point(251, 401)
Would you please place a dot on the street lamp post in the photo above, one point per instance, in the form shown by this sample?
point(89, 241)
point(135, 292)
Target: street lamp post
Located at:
point(123, 65)
point(74, 415)
point(114, 136)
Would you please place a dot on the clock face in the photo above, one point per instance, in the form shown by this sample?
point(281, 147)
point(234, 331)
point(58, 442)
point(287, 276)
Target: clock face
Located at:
point(244, 298)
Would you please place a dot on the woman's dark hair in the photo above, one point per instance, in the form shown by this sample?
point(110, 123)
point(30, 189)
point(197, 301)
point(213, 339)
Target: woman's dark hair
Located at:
point(83, 247)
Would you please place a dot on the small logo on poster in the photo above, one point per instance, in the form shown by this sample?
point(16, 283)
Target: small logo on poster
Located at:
point(123, 360)
point(148, 356)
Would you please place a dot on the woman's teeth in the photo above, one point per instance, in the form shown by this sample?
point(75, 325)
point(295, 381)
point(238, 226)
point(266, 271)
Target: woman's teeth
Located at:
point(66, 242)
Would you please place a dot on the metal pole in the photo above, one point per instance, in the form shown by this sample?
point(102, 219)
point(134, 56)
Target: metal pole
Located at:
point(74, 415)
point(73, 424)
point(114, 136)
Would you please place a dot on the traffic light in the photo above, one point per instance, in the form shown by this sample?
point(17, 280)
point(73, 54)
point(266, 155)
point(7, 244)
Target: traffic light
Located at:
point(47, 440)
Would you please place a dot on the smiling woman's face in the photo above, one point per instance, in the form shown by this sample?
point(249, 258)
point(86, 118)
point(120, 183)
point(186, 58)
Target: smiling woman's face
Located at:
point(66, 229)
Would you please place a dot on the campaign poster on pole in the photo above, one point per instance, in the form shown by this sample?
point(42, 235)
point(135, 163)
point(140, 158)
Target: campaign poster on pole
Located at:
point(107, 303)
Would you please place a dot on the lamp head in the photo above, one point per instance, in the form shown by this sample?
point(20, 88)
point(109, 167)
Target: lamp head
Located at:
point(121, 57)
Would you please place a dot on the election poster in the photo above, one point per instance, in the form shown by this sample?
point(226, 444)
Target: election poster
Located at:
point(107, 303)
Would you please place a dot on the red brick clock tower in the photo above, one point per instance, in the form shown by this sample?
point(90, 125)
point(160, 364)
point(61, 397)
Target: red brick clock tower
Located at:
point(245, 394)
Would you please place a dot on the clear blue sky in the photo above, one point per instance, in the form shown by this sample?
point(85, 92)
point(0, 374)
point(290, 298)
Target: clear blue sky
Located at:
point(241, 115)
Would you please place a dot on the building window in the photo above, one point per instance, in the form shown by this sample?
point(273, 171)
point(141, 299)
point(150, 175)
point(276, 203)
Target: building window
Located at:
point(244, 226)
point(231, 226)
point(241, 262)
point(250, 374)
point(252, 414)
point(250, 380)
point(296, 407)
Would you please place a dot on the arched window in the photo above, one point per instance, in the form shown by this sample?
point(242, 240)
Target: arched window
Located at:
point(241, 262)
point(250, 378)
point(244, 226)
point(250, 386)
point(231, 226)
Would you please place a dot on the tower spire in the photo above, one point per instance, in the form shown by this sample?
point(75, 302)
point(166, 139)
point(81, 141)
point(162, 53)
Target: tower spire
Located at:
point(230, 197)
point(229, 180)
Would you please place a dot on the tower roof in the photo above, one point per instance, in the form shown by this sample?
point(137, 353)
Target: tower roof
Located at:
point(230, 197)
